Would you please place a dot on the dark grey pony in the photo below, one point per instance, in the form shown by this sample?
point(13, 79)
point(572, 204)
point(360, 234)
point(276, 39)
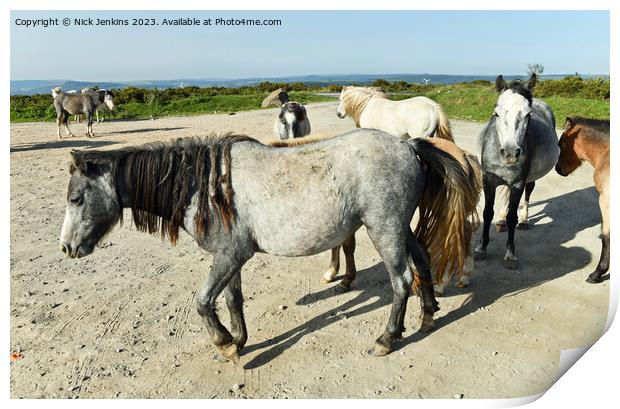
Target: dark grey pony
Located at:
point(292, 122)
point(519, 146)
point(236, 196)
point(74, 104)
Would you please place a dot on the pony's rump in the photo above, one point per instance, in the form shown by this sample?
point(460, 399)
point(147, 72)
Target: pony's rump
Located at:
point(449, 200)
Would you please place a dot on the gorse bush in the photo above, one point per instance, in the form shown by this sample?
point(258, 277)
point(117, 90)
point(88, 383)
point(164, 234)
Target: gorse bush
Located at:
point(575, 86)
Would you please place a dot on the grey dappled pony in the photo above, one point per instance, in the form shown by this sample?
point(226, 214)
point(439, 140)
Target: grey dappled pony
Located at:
point(235, 196)
point(74, 104)
point(519, 146)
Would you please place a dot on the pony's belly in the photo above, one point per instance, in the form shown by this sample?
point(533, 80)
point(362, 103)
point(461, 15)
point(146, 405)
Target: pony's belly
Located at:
point(299, 238)
point(543, 163)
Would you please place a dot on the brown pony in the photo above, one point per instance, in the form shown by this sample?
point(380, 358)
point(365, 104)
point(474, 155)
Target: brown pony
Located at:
point(588, 139)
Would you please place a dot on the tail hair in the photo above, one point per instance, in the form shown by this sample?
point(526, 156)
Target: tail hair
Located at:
point(443, 129)
point(449, 202)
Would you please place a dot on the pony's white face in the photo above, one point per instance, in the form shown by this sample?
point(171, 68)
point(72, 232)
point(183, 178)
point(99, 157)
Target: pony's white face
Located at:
point(109, 101)
point(341, 111)
point(512, 113)
point(92, 209)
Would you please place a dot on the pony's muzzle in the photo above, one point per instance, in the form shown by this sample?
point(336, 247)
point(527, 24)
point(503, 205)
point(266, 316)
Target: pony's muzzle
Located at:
point(510, 155)
point(70, 251)
point(341, 116)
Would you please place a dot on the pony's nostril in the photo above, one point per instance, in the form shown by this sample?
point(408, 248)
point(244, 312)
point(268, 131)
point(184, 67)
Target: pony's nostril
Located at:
point(63, 248)
point(517, 152)
point(502, 152)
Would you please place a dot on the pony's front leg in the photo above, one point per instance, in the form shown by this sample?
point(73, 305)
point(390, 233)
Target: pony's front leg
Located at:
point(334, 266)
point(234, 302)
point(603, 264)
point(58, 122)
point(524, 214)
point(225, 265)
point(89, 125)
point(489, 202)
point(348, 246)
point(504, 195)
point(510, 259)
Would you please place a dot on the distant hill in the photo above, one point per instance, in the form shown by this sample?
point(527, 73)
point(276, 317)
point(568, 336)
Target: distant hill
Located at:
point(30, 87)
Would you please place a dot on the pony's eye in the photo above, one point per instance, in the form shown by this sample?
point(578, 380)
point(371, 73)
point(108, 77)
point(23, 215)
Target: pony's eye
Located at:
point(77, 200)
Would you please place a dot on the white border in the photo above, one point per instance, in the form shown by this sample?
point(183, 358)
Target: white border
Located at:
point(591, 382)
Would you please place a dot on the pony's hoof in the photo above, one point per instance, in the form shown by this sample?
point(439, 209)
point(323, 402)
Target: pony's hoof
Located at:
point(501, 226)
point(511, 264)
point(379, 350)
point(480, 255)
point(341, 288)
point(230, 352)
point(523, 226)
point(328, 277)
point(594, 278)
point(427, 325)
point(461, 285)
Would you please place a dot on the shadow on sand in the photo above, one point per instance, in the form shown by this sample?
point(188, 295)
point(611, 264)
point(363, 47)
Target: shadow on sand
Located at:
point(62, 143)
point(535, 248)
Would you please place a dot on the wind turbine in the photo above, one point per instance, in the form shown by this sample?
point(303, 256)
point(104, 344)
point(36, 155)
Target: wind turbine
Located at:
point(426, 81)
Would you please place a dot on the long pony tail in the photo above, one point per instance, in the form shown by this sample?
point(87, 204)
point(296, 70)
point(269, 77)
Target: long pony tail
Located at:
point(448, 201)
point(443, 130)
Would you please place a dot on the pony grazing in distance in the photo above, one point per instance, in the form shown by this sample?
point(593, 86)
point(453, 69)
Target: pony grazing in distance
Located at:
point(370, 107)
point(236, 196)
point(588, 140)
point(519, 146)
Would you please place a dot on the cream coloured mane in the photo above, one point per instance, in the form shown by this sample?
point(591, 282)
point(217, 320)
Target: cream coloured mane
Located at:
point(355, 100)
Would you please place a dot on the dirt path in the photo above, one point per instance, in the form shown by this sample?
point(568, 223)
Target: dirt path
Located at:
point(122, 322)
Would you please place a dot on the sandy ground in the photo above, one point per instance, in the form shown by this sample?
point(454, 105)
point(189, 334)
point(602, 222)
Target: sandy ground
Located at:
point(122, 322)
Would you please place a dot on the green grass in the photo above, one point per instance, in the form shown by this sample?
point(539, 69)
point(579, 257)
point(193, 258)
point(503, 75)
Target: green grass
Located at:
point(476, 103)
point(472, 102)
point(42, 109)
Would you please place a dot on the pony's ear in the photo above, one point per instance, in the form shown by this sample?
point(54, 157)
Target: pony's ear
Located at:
point(569, 123)
point(77, 162)
point(500, 84)
point(531, 82)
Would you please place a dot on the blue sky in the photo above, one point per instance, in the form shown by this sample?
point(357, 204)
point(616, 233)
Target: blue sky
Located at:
point(318, 42)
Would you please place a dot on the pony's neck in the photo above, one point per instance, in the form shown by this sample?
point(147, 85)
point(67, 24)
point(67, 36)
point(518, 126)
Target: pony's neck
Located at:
point(130, 198)
point(589, 150)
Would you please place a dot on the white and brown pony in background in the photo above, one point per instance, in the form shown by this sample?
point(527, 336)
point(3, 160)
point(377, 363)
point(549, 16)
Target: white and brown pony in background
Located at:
point(370, 107)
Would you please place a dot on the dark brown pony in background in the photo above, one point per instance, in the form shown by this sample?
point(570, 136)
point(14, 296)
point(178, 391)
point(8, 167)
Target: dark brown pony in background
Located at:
point(588, 139)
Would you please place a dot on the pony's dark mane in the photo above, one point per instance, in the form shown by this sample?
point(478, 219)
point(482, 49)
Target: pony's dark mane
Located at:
point(159, 179)
point(595, 128)
point(519, 88)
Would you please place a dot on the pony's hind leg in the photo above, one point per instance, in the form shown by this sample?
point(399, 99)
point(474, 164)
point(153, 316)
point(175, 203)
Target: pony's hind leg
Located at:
point(393, 255)
point(603, 264)
point(234, 302)
point(424, 281)
point(510, 259)
point(348, 246)
point(334, 266)
point(524, 214)
point(225, 266)
point(487, 215)
point(468, 266)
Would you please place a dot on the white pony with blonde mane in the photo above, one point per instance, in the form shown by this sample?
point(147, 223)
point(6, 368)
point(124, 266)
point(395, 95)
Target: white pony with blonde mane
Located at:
point(369, 107)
